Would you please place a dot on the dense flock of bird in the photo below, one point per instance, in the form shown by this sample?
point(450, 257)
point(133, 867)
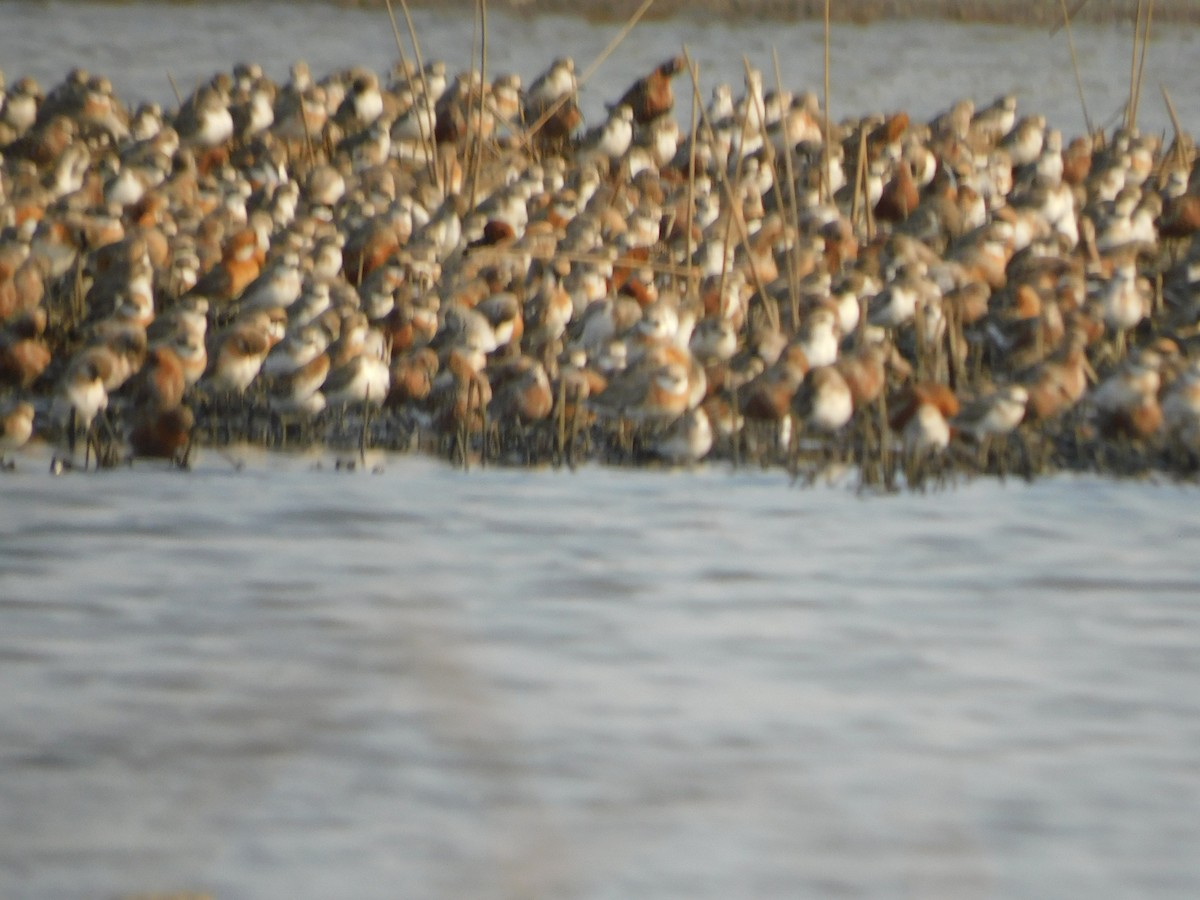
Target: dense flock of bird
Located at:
point(435, 261)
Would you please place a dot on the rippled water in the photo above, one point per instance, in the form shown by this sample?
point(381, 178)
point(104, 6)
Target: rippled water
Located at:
point(288, 682)
point(281, 682)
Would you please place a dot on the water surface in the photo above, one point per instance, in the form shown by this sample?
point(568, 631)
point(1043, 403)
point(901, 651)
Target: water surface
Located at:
point(294, 682)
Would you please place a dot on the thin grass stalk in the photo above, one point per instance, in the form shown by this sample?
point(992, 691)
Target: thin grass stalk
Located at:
point(1181, 151)
point(477, 149)
point(691, 195)
point(469, 179)
point(175, 88)
point(561, 423)
point(78, 294)
point(789, 259)
point(483, 88)
point(1066, 23)
point(867, 207)
point(859, 172)
point(308, 144)
point(429, 140)
point(886, 461)
point(474, 37)
point(725, 236)
point(736, 219)
point(954, 338)
point(768, 152)
point(826, 164)
point(1137, 33)
point(769, 307)
point(399, 43)
point(362, 436)
point(922, 366)
point(408, 80)
point(739, 424)
point(412, 34)
point(483, 412)
point(574, 432)
point(1137, 95)
point(790, 169)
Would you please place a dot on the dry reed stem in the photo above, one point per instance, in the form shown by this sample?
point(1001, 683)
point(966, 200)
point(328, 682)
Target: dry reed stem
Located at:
point(922, 366)
point(175, 88)
point(404, 62)
point(781, 204)
point(477, 153)
point(735, 205)
point(1066, 23)
point(474, 36)
point(1137, 95)
point(574, 433)
point(735, 211)
point(955, 339)
point(1171, 112)
point(691, 195)
point(870, 210)
point(725, 252)
point(789, 167)
point(826, 170)
point(561, 423)
point(768, 155)
point(859, 170)
point(308, 144)
point(1180, 135)
point(366, 420)
point(428, 140)
point(486, 427)
point(408, 80)
point(1131, 104)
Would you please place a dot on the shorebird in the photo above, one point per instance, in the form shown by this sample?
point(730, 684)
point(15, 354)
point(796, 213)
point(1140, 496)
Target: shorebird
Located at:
point(924, 417)
point(650, 97)
point(521, 392)
point(24, 353)
point(1126, 403)
point(297, 390)
point(985, 249)
point(992, 417)
point(163, 433)
point(688, 440)
point(240, 351)
point(82, 395)
point(556, 82)
point(205, 121)
point(613, 138)
point(1125, 300)
point(240, 263)
point(824, 402)
point(16, 428)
